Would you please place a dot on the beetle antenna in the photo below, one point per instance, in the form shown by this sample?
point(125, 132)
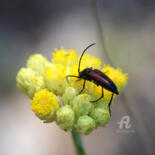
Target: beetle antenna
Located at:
point(83, 54)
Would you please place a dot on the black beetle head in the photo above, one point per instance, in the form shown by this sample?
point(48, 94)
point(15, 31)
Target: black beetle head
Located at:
point(84, 74)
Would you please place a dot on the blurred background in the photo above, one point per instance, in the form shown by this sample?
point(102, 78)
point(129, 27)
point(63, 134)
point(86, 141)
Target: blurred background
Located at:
point(125, 35)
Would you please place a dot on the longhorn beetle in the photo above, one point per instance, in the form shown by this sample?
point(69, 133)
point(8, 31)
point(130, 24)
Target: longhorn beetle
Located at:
point(96, 76)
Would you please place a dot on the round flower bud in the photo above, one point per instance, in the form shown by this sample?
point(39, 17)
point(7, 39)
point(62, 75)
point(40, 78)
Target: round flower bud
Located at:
point(102, 104)
point(101, 116)
point(28, 82)
point(81, 105)
point(45, 104)
point(85, 125)
point(65, 118)
point(69, 94)
point(38, 63)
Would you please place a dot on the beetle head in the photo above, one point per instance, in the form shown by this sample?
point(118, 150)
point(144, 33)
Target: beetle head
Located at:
point(84, 73)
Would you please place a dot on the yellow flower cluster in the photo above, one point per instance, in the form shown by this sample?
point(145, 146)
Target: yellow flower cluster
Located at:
point(54, 99)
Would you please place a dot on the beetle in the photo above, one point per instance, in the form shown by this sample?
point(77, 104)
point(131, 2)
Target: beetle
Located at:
point(97, 77)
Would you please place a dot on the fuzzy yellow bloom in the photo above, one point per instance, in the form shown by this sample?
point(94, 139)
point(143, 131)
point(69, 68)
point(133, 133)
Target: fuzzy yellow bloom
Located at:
point(65, 57)
point(74, 82)
point(55, 78)
point(117, 76)
point(44, 104)
point(90, 61)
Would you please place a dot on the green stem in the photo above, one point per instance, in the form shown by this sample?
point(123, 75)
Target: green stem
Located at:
point(78, 143)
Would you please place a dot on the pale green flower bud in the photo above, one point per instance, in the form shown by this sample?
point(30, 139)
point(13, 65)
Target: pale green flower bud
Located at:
point(102, 104)
point(85, 125)
point(101, 116)
point(81, 105)
point(65, 118)
point(28, 82)
point(69, 95)
point(38, 63)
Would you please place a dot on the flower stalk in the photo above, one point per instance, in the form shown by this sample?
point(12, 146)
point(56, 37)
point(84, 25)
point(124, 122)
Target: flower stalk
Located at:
point(78, 143)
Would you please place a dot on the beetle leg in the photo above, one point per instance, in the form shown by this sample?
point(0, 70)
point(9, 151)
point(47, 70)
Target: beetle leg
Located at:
point(100, 97)
point(84, 84)
point(70, 76)
point(110, 104)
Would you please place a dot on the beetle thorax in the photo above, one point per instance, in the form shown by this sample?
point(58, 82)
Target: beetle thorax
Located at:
point(84, 73)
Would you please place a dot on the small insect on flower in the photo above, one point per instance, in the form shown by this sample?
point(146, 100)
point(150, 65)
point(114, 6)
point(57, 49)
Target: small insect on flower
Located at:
point(96, 76)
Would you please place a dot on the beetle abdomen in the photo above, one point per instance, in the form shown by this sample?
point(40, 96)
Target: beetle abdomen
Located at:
point(101, 79)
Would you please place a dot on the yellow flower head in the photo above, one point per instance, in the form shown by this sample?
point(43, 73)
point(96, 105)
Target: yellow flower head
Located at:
point(55, 78)
point(117, 76)
point(89, 61)
point(64, 57)
point(45, 104)
point(56, 71)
